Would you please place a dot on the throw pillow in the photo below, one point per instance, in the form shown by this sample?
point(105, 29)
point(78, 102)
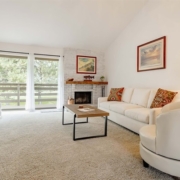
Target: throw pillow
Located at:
point(115, 94)
point(162, 98)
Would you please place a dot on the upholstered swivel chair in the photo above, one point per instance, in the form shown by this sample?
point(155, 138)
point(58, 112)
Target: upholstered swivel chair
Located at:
point(160, 143)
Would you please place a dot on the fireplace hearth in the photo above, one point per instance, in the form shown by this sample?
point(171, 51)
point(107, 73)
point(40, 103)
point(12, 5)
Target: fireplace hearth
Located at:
point(82, 97)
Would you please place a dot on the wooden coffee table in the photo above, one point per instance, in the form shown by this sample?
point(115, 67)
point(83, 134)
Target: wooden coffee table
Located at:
point(79, 114)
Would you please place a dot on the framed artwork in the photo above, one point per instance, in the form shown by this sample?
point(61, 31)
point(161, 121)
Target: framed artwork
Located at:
point(152, 55)
point(85, 64)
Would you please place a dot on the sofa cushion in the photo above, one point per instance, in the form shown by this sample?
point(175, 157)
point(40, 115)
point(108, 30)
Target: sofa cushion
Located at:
point(151, 97)
point(121, 107)
point(139, 114)
point(106, 104)
point(115, 94)
point(162, 98)
point(140, 97)
point(177, 96)
point(148, 137)
point(127, 93)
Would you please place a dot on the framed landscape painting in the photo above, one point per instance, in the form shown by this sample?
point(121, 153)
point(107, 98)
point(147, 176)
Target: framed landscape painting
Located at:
point(85, 64)
point(152, 55)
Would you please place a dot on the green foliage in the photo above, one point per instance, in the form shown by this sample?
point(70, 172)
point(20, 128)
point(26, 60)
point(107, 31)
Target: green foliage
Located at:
point(45, 72)
point(13, 70)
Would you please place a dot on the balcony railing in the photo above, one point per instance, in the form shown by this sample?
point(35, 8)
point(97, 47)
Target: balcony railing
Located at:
point(14, 95)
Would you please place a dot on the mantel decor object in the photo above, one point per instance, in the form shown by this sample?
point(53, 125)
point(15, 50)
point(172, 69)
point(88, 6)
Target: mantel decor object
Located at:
point(102, 78)
point(85, 64)
point(88, 78)
point(70, 101)
point(152, 55)
point(70, 79)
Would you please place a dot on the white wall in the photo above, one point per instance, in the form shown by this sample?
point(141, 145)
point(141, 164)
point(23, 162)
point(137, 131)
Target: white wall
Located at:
point(158, 18)
point(30, 49)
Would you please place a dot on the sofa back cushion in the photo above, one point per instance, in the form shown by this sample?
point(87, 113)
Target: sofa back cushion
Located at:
point(140, 97)
point(127, 93)
point(151, 97)
point(177, 96)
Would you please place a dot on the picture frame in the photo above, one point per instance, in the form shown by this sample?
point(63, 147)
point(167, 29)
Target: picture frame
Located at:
point(152, 55)
point(86, 64)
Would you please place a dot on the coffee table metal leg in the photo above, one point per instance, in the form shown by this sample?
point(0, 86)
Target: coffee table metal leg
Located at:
point(89, 137)
point(63, 116)
point(72, 122)
point(105, 130)
point(74, 127)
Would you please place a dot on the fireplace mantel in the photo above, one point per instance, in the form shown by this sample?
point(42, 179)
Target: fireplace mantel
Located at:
point(87, 82)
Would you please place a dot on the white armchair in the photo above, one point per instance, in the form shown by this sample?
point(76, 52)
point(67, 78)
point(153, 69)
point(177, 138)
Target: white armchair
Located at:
point(160, 143)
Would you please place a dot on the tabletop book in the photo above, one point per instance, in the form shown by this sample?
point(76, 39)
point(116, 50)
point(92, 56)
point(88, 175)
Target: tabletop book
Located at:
point(86, 109)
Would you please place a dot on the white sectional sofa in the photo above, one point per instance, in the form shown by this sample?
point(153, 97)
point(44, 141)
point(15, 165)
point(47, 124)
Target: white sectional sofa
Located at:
point(134, 111)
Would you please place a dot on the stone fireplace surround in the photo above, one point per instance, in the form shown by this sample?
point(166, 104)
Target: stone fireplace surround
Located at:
point(70, 72)
point(94, 89)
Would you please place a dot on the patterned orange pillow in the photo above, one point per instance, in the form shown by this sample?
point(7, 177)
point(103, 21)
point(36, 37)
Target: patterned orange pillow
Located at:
point(162, 98)
point(115, 94)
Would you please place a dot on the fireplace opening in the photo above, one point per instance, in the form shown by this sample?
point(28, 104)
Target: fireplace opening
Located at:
point(82, 97)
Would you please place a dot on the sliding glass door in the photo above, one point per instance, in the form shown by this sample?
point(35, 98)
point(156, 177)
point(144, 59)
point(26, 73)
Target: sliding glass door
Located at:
point(13, 72)
point(13, 78)
point(45, 82)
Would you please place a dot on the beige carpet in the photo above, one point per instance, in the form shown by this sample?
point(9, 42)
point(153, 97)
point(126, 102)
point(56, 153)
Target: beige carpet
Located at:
point(35, 146)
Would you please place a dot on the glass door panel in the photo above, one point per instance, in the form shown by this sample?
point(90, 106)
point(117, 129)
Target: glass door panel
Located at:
point(13, 72)
point(45, 79)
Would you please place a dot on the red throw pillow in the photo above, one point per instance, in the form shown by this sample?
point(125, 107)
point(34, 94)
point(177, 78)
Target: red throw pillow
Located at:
point(115, 94)
point(162, 98)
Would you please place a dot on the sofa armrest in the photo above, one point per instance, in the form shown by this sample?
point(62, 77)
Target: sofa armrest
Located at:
point(101, 99)
point(153, 114)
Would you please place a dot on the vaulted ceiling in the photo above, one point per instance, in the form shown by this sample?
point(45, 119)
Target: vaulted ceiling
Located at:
point(85, 24)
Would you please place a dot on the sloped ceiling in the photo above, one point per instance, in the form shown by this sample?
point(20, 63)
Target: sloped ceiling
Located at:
point(85, 24)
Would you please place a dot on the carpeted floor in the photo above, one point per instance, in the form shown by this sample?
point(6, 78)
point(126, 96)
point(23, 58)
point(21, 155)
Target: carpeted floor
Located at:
point(35, 146)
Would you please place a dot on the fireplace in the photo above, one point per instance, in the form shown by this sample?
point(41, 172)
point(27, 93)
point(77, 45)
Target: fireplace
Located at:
point(82, 97)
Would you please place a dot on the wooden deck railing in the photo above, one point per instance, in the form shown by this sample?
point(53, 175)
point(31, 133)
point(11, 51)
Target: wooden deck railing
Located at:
point(16, 93)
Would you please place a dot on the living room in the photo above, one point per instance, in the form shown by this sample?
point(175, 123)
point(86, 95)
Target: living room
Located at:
point(34, 142)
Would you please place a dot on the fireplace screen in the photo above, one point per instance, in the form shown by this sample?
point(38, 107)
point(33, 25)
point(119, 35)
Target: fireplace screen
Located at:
point(82, 97)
